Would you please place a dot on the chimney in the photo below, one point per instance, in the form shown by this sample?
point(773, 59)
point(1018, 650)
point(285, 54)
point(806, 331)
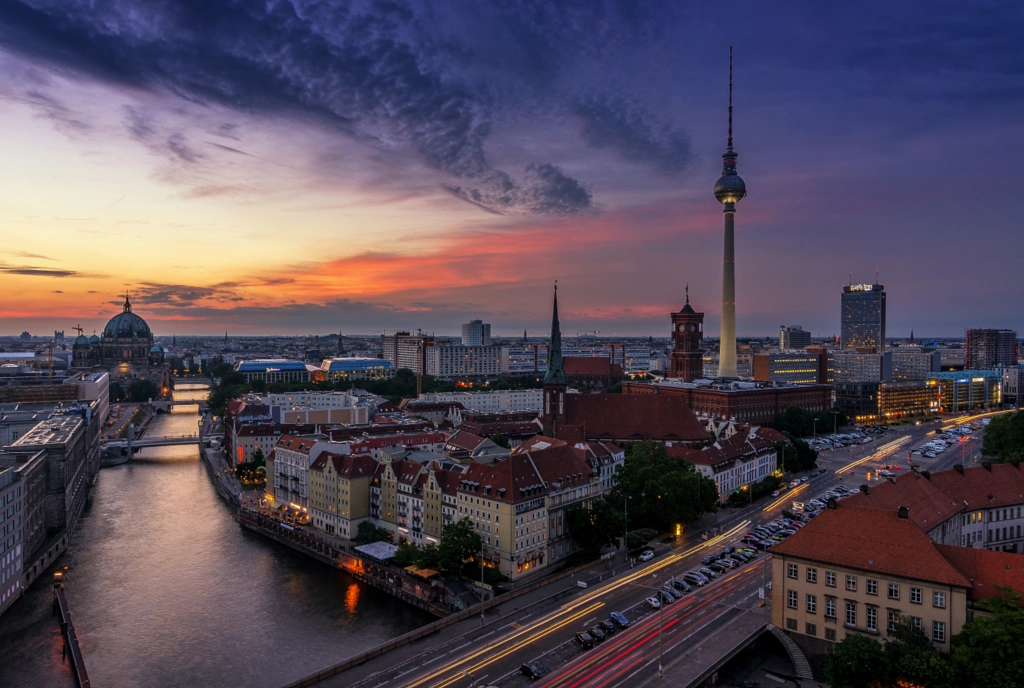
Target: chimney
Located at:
point(927, 474)
point(987, 465)
point(903, 512)
point(831, 504)
point(865, 489)
point(959, 469)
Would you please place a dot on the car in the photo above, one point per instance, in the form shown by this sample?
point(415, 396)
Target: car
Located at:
point(585, 639)
point(666, 597)
point(729, 550)
point(653, 602)
point(680, 585)
point(749, 551)
point(728, 562)
point(787, 531)
point(793, 483)
point(708, 559)
point(606, 626)
point(708, 572)
point(719, 567)
point(597, 633)
point(740, 557)
point(646, 555)
point(532, 671)
point(696, 579)
point(619, 619)
point(775, 493)
point(803, 479)
point(765, 544)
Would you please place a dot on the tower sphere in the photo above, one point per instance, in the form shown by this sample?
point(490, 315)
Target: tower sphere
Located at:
point(730, 188)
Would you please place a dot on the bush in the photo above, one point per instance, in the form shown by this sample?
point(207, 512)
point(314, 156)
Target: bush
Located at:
point(635, 539)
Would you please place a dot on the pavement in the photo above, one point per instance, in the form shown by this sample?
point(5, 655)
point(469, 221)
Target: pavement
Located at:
point(539, 627)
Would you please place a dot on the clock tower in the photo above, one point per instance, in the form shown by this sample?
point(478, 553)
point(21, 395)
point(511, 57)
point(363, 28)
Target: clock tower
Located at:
point(688, 337)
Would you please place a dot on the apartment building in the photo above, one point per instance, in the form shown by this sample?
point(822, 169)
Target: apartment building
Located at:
point(11, 545)
point(456, 361)
point(339, 492)
point(744, 458)
point(497, 401)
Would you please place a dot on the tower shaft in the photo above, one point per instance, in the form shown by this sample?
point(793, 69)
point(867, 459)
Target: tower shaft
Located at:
point(727, 344)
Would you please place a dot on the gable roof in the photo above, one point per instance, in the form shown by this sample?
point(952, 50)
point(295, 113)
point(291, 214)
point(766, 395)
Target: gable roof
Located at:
point(559, 466)
point(634, 417)
point(874, 541)
point(513, 480)
point(465, 440)
point(985, 569)
point(928, 505)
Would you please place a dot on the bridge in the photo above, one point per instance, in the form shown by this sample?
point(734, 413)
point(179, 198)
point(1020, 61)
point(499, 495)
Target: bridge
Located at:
point(166, 405)
point(167, 441)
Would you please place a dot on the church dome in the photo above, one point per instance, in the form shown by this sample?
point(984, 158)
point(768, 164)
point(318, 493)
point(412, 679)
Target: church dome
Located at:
point(81, 340)
point(94, 339)
point(156, 349)
point(127, 325)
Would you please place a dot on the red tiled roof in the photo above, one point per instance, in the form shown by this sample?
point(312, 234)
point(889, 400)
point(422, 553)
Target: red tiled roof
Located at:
point(466, 440)
point(634, 417)
point(587, 365)
point(981, 487)
point(447, 480)
point(559, 464)
point(928, 505)
point(538, 442)
point(871, 540)
point(986, 569)
point(513, 480)
point(301, 445)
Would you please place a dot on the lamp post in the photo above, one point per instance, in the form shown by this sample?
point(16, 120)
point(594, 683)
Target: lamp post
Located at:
point(483, 593)
point(625, 525)
point(815, 428)
point(661, 626)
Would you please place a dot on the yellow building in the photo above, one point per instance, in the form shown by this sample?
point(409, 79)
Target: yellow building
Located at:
point(339, 492)
point(857, 570)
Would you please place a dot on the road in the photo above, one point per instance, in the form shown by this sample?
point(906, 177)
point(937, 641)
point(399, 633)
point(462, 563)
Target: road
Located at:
point(544, 633)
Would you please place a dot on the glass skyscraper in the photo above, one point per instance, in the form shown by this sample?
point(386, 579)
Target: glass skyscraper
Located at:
point(863, 322)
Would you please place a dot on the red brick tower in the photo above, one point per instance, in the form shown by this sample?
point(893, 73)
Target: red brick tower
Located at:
point(688, 336)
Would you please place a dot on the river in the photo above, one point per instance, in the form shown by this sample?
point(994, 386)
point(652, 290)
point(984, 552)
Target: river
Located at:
point(166, 589)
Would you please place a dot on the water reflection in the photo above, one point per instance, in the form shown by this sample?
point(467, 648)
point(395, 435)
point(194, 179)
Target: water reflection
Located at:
point(167, 590)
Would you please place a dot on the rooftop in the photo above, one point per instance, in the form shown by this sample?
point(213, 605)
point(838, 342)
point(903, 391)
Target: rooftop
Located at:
point(55, 430)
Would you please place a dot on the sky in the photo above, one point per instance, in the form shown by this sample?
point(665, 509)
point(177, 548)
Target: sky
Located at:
point(294, 167)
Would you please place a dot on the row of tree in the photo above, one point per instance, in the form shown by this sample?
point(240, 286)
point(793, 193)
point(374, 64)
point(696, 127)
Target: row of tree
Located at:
point(986, 652)
point(796, 422)
point(1004, 437)
point(459, 542)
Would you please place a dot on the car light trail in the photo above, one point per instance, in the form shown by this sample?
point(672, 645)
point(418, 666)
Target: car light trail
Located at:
point(883, 451)
point(785, 498)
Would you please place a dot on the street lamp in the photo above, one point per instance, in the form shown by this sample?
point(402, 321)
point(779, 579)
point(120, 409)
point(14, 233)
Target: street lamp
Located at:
point(815, 428)
point(625, 519)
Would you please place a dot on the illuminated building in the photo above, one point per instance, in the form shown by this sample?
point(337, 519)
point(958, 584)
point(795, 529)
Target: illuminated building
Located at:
point(862, 366)
point(989, 349)
point(880, 402)
point(796, 367)
point(406, 350)
point(968, 389)
point(476, 333)
point(794, 337)
point(273, 370)
point(863, 317)
point(356, 369)
point(460, 361)
point(911, 363)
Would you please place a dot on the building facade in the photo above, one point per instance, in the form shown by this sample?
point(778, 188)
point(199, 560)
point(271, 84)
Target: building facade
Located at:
point(863, 317)
point(407, 350)
point(967, 390)
point(273, 370)
point(793, 337)
point(687, 360)
point(336, 369)
point(476, 333)
point(497, 401)
point(11, 546)
point(862, 366)
point(914, 364)
point(882, 402)
point(989, 349)
point(793, 367)
point(460, 361)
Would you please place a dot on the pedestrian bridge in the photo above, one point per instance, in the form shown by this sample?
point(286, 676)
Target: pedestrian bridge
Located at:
point(151, 442)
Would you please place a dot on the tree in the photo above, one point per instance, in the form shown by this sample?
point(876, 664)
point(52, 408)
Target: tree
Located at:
point(663, 491)
point(408, 554)
point(1004, 437)
point(143, 390)
point(986, 652)
point(912, 659)
point(796, 455)
point(258, 386)
point(799, 423)
point(500, 440)
point(594, 528)
point(459, 542)
point(856, 661)
point(367, 533)
point(257, 458)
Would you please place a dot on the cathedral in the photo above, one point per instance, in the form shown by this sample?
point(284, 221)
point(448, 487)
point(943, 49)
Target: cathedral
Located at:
point(126, 350)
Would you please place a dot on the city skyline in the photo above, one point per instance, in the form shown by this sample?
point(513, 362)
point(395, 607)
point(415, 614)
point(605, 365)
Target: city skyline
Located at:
point(453, 170)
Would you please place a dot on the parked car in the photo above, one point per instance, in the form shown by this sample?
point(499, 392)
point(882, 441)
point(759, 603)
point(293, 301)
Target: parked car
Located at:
point(708, 559)
point(619, 619)
point(666, 597)
point(585, 639)
point(532, 671)
point(718, 567)
point(646, 555)
point(654, 602)
point(680, 585)
point(695, 578)
point(597, 633)
point(607, 626)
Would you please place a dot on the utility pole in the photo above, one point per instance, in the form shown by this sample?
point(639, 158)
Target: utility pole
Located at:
point(625, 519)
point(661, 626)
point(764, 579)
point(482, 591)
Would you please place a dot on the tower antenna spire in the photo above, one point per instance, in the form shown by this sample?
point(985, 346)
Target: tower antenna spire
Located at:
point(729, 144)
point(687, 293)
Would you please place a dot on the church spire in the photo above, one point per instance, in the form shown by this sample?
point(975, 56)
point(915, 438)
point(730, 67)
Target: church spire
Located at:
point(555, 374)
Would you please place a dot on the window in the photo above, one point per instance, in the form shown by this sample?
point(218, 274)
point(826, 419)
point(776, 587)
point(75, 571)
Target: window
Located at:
point(915, 595)
point(792, 571)
point(872, 619)
point(810, 629)
point(916, 620)
point(830, 579)
point(812, 604)
point(939, 600)
point(893, 618)
point(791, 624)
point(830, 634)
point(939, 631)
point(830, 608)
point(851, 583)
point(851, 613)
point(894, 591)
point(812, 575)
point(791, 601)
point(871, 585)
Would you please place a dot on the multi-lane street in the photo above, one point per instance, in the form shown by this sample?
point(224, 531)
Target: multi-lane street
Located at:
point(543, 634)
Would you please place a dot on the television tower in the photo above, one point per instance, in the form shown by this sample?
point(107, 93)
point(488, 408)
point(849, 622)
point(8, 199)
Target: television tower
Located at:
point(729, 189)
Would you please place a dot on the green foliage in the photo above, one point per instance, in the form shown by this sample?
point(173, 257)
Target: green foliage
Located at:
point(1004, 437)
point(856, 661)
point(492, 576)
point(459, 542)
point(755, 491)
point(596, 527)
point(408, 554)
point(367, 533)
point(987, 652)
point(796, 455)
point(614, 389)
point(799, 423)
point(663, 491)
point(911, 658)
point(635, 539)
point(500, 440)
point(143, 390)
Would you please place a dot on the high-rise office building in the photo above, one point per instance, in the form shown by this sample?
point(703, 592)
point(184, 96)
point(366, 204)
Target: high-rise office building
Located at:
point(476, 333)
point(793, 337)
point(989, 349)
point(863, 317)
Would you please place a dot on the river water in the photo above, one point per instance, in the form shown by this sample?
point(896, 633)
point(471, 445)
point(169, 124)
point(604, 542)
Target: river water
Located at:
point(166, 589)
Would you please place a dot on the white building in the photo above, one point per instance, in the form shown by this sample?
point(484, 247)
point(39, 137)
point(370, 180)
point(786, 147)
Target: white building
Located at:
point(527, 359)
point(496, 401)
point(854, 366)
point(458, 361)
point(476, 333)
point(11, 545)
point(742, 459)
point(911, 364)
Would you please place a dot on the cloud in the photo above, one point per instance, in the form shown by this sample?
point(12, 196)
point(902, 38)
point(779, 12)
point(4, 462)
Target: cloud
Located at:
point(630, 131)
point(23, 254)
point(37, 272)
point(393, 75)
